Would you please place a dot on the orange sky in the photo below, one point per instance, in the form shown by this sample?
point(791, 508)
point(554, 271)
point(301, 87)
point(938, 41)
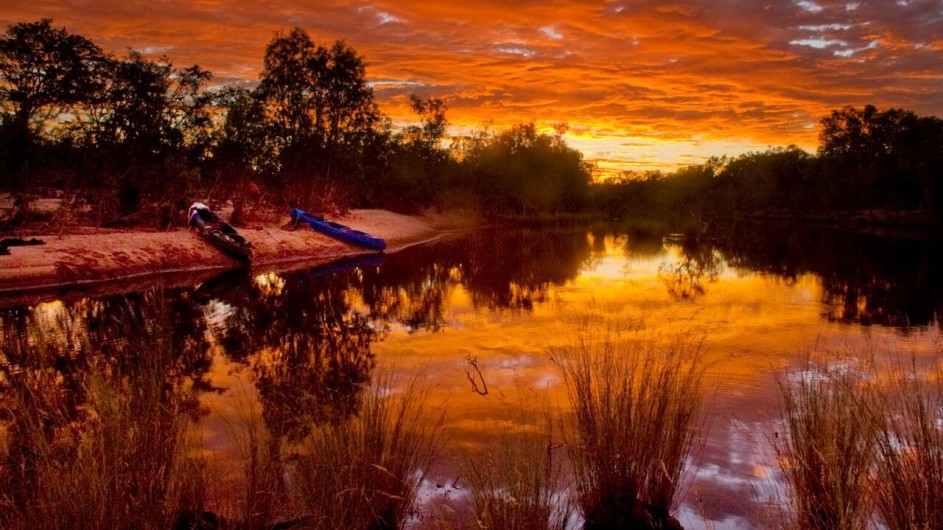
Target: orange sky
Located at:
point(642, 84)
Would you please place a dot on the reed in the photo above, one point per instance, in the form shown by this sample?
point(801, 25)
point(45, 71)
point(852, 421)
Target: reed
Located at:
point(99, 446)
point(828, 449)
point(265, 496)
point(365, 472)
point(518, 483)
point(908, 492)
point(637, 403)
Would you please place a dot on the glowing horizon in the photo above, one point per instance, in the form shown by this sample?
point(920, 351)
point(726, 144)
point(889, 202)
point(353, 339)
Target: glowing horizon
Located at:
point(641, 84)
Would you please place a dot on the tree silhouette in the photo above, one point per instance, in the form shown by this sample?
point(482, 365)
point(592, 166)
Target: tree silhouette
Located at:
point(43, 72)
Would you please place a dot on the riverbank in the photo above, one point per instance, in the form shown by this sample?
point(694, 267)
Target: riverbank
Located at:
point(84, 260)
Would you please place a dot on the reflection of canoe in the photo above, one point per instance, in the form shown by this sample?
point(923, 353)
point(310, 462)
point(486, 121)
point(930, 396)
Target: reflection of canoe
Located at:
point(219, 233)
point(339, 231)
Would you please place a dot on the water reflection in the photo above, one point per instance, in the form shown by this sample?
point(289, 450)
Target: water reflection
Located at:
point(510, 270)
point(866, 279)
point(96, 398)
point(310, 341)
point(689, 268)
point(309, 350)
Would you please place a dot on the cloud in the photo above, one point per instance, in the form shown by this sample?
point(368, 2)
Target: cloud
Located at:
point(637, 81)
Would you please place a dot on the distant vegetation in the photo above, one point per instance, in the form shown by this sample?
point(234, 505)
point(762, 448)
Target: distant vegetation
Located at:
point(132, 137)
point(868, 160)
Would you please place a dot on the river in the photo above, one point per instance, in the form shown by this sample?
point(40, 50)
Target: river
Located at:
point(479, 316)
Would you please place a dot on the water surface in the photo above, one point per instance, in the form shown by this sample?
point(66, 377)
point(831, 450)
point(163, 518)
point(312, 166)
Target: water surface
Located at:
point(288, 349)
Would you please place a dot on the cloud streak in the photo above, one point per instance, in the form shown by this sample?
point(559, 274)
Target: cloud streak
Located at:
point(643, 84)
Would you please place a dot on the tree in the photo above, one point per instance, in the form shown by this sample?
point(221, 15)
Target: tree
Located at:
point(866, 152)
point(433, 123)
point(145, 130)
point(43, 72)
point(523, 172)
point(319, 106)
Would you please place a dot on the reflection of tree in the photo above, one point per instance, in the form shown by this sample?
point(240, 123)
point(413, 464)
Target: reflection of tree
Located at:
point(696, 264)
point(410, 289)
point(516, 269)
point(865, 279)
point(507, 269)
point(312, 350)
point(68, 338)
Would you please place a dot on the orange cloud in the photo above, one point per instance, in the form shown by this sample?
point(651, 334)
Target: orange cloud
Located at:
point(643, 84)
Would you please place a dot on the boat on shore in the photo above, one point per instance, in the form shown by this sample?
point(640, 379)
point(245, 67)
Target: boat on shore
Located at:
point(337, 230)
point(218, 232)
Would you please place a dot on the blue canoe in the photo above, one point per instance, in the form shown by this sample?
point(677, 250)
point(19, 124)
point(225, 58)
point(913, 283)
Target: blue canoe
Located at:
point(339, 231)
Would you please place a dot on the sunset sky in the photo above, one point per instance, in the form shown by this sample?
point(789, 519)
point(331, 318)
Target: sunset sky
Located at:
point(642, 84)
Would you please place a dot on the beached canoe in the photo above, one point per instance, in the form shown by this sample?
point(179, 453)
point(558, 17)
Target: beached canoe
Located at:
point(218, 232)
point(338, 231)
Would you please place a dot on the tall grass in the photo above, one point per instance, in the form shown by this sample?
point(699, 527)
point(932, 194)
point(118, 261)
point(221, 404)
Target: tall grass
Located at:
point(365, 472)
point(101, 445)
point(828, 449)
point(637, 403)
point(265, 494)
point(908, 491)
point(518, 484)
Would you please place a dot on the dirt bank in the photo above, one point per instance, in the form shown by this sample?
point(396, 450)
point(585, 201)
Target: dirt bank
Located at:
point(121, 260)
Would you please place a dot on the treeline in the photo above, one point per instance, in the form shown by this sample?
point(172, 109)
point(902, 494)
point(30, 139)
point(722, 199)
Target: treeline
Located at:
point(133, 135)
point(124, 135)
point(881, 162)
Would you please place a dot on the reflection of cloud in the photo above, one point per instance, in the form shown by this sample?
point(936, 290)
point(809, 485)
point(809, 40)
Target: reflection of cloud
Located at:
point(739, 74)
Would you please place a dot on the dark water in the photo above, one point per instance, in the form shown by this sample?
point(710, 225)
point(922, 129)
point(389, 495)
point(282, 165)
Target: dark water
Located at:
point(300, 347)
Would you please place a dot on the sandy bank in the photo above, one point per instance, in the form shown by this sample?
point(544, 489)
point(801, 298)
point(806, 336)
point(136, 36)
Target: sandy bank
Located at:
point(120, 260)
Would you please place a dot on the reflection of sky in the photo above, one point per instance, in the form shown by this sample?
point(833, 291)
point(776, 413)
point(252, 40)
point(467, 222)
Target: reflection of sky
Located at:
point(752, 325)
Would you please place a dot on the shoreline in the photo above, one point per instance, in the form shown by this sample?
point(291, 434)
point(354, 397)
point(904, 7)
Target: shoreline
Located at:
point(105, 261)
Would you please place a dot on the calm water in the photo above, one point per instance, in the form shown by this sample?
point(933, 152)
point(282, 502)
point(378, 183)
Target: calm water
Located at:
point(297, 347)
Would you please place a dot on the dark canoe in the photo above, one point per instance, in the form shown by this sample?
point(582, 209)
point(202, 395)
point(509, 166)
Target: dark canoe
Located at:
point(232, 244)
point(222, 235)
point(339, 231)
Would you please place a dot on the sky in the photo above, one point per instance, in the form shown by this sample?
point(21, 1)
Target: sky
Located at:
point(641, 84)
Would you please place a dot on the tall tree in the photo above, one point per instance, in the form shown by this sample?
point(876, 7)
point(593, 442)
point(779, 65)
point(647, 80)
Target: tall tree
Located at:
point(43, 72)
point(44, 69)
point(319, 105)
point(865, 150)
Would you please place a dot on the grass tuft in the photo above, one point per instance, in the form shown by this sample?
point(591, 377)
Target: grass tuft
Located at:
point(518, 483)
point(908, 492)
point(637, 404)
point(100, 445)
point(827, 451)
point(365, 472)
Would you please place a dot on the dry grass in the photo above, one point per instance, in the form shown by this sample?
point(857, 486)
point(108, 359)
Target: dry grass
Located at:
point(518, 483)
point(908, 491)
point(365, 472)
point(827, 451)
point(265, 497)
point(99, 446)
point(637, 404)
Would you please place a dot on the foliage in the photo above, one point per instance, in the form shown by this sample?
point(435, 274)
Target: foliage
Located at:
point(523, 172)
point(95, 434)
point(909, 478)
